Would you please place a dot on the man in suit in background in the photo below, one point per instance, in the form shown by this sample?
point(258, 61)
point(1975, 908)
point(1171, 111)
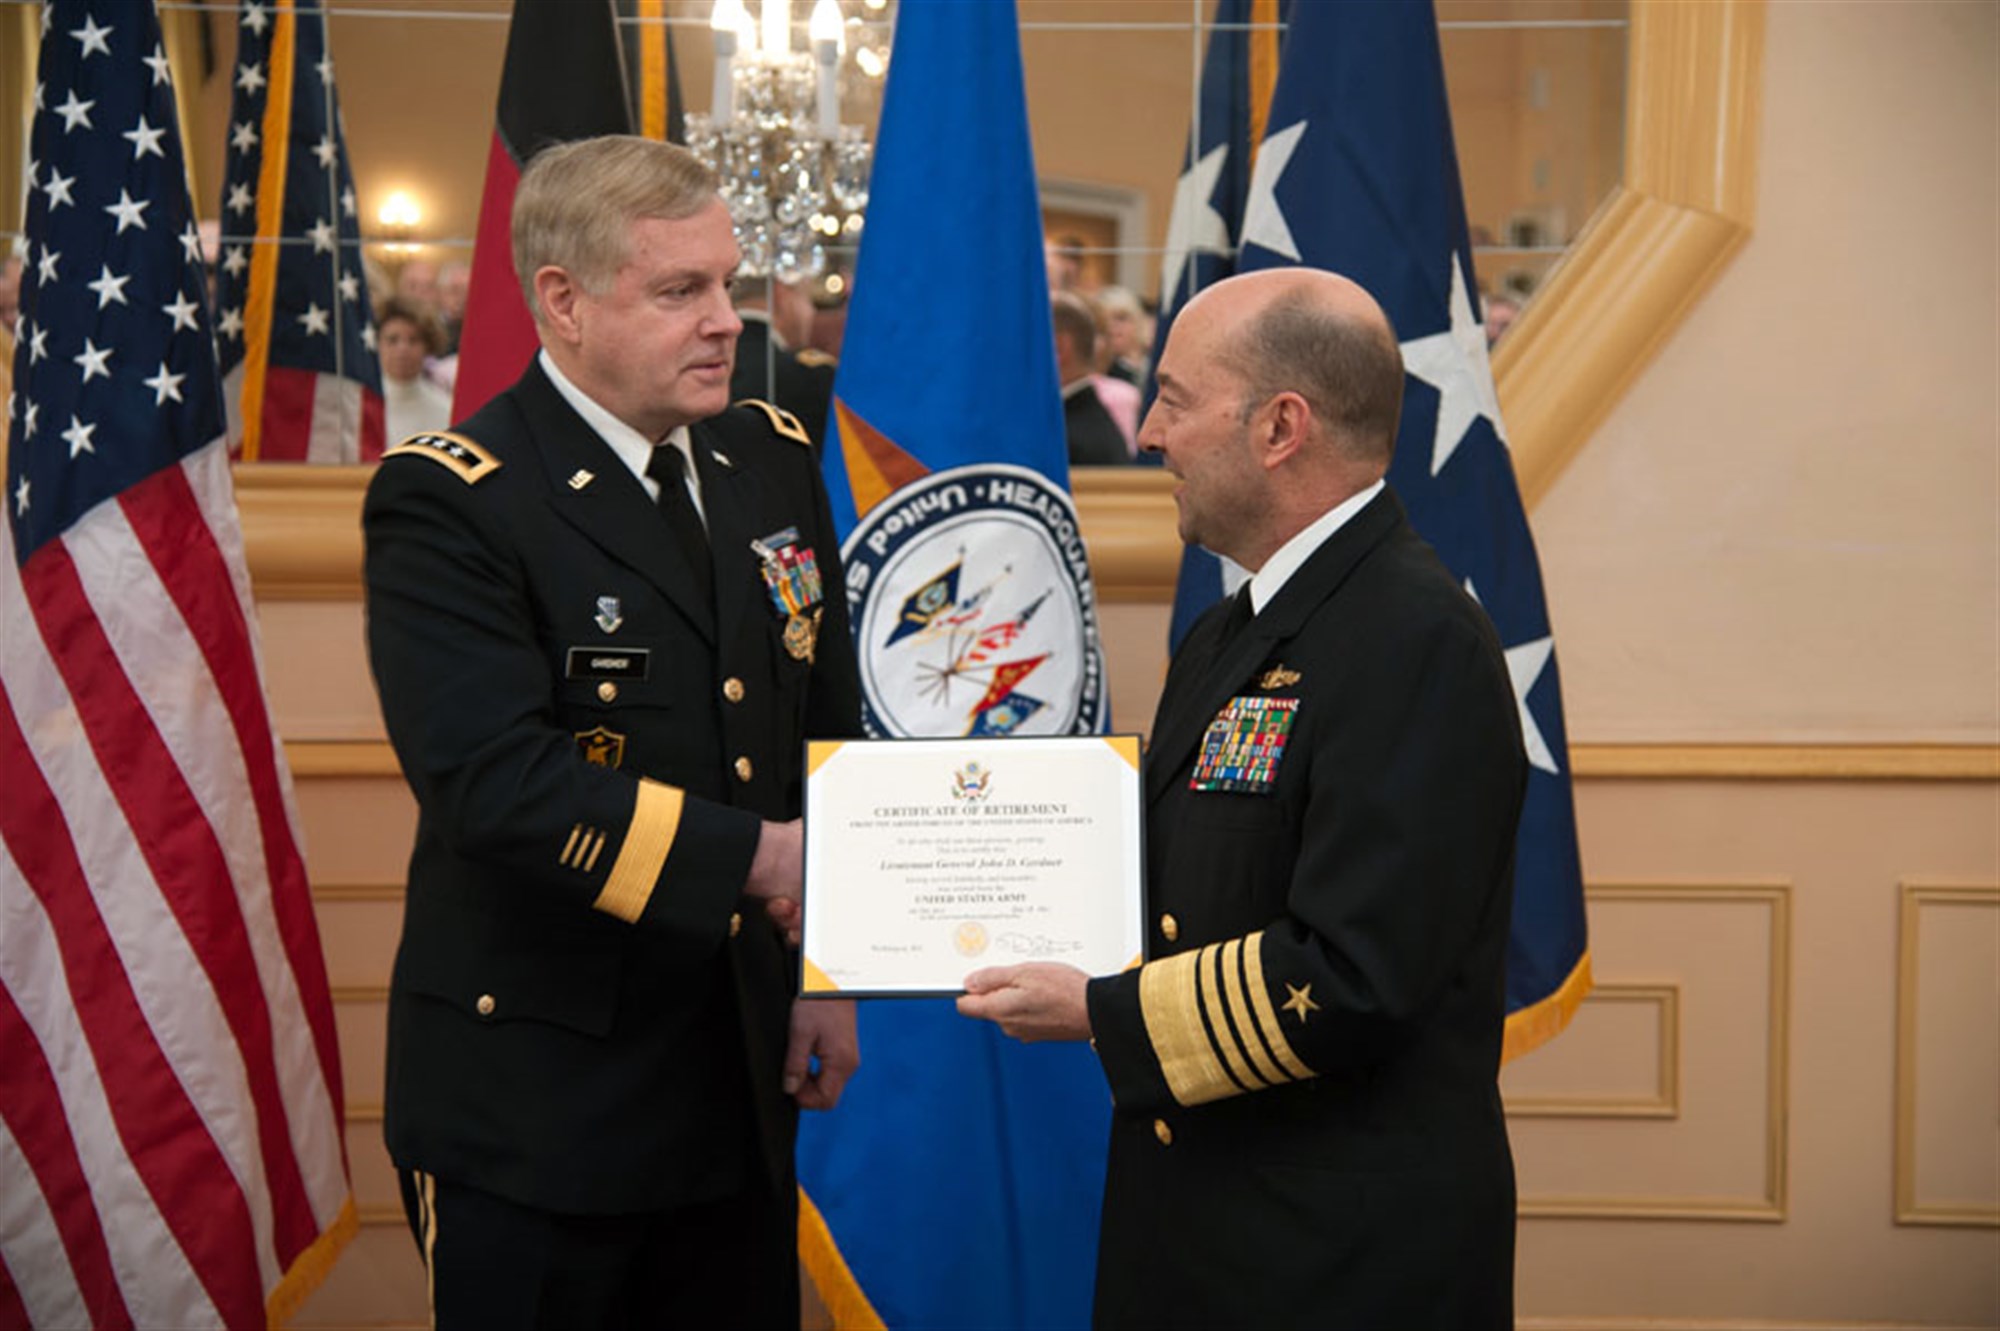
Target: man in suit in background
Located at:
point(604, 613)
point(1308, 1128)
point(1092, 434)
point(774, 358)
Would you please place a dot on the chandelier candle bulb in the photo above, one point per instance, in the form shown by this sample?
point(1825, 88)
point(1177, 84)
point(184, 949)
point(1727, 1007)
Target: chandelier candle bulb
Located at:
point(777, 28)
point(723, 21)
point(825, 29)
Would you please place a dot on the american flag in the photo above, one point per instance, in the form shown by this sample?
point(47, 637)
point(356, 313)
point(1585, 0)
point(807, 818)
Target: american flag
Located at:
point(170, 1106)
point(292, 319)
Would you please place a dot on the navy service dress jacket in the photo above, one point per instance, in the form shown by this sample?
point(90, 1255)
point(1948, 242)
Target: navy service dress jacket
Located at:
point(1308, 1128)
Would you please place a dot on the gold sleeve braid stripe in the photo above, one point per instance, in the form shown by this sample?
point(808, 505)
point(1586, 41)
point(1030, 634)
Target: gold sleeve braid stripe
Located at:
point(656, 817)
point(1254, 1043)
point(1267, 1016)
point(1212, 1025)
point(1229, 1031)
point(1171, 1005)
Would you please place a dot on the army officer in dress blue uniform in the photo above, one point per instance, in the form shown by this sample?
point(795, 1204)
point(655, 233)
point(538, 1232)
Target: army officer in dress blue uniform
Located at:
point(604, 613)
point(1307, 1129)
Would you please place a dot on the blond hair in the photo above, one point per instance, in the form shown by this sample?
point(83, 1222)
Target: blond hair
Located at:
point(576, 202)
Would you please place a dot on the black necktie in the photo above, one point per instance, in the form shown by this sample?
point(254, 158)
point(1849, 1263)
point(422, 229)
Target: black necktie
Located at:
point(1234, 621)
point(669, 467)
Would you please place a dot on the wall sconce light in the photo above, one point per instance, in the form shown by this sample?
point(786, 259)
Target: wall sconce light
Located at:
point(399, 216)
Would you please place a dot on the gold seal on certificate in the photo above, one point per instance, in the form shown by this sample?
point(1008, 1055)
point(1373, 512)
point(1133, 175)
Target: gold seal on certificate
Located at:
point(927, 859)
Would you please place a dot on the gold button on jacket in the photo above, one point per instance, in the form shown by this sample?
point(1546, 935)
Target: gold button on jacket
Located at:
point(743, 769)
point(1163, 1132)
point(608, 691)
point(485, 1005)
point(735, 925)
point(732, 689)
point(1170, 928)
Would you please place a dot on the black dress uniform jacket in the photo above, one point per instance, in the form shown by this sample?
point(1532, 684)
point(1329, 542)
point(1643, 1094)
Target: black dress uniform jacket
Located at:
point(584, 1015)
point(1308, 1128)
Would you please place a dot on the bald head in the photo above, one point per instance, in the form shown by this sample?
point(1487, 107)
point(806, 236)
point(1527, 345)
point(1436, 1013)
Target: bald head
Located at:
point(1320, 336)
point(1279, 395)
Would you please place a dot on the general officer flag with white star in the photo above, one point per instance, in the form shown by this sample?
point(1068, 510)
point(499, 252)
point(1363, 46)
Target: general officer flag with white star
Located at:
point(1230, 109)
point(1357, 173)
point(171, 1140)
point(293, 324)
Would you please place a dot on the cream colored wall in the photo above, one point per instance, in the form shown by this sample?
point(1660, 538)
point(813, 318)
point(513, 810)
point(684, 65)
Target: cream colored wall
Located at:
point(1788, 530)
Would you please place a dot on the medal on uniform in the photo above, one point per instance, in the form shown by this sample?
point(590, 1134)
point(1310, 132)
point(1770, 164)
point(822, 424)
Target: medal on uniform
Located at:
point(791, 577)
point(1241, 748)
point(609, 614)
point(802, 634)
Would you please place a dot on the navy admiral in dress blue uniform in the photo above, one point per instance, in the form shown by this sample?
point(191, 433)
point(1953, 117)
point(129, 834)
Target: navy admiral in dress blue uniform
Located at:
point(1308, 1128)
point(604, 613)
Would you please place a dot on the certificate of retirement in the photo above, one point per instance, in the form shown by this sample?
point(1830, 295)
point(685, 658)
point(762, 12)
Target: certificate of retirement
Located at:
point(928, 859)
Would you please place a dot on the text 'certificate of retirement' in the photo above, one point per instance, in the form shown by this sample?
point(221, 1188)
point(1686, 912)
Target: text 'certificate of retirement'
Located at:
point(928, 859)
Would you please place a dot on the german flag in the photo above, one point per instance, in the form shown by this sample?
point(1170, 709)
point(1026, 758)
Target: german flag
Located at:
point(564, 79)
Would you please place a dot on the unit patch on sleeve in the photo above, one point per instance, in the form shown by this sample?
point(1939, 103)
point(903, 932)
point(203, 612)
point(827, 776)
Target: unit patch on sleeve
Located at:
point(601, 747)
point(1242, 746)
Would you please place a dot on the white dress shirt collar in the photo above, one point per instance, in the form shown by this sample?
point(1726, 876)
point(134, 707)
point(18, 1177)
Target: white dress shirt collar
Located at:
point(635, 450)
point(1290, 556)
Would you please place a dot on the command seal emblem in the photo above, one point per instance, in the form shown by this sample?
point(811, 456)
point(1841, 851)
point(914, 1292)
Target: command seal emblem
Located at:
point(973, 609)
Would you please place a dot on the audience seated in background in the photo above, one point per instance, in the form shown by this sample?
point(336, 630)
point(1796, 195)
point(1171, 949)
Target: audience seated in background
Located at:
point(10, 292)
point(417, 283)
point(404, 335)
point(1065, 266)
point(454, 279)
point(1093, 435)
point(1127, 338)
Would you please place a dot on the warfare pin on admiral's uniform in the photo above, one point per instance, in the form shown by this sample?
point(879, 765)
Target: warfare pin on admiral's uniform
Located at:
point(1241, 748)
point(1278, 677)
point(791, 576)
point(610, 613)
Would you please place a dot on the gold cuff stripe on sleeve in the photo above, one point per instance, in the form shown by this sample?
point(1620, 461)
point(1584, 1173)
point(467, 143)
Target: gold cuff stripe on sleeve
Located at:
point(656, 817)
point(596, 848)
point(1267, 1016)
point(1227, 1027)
point(1171, 1005)
point(1255, 1040)
point(1264, 1065)
point(575, 831)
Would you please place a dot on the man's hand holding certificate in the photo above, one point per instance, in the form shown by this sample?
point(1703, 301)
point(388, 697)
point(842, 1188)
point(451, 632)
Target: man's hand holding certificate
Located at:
point(927, 860)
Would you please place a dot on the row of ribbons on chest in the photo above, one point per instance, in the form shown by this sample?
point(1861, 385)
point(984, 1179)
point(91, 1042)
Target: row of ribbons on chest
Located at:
point(790, 571)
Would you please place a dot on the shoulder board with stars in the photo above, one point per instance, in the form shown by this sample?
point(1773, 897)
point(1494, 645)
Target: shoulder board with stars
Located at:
point(782, 421)
point(467, 458)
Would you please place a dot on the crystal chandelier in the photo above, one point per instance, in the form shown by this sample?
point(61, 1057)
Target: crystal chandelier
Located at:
point(794, 177)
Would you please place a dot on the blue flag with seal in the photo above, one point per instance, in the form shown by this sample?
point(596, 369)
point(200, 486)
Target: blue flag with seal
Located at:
point(1357, 172)
point(958, 1183)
